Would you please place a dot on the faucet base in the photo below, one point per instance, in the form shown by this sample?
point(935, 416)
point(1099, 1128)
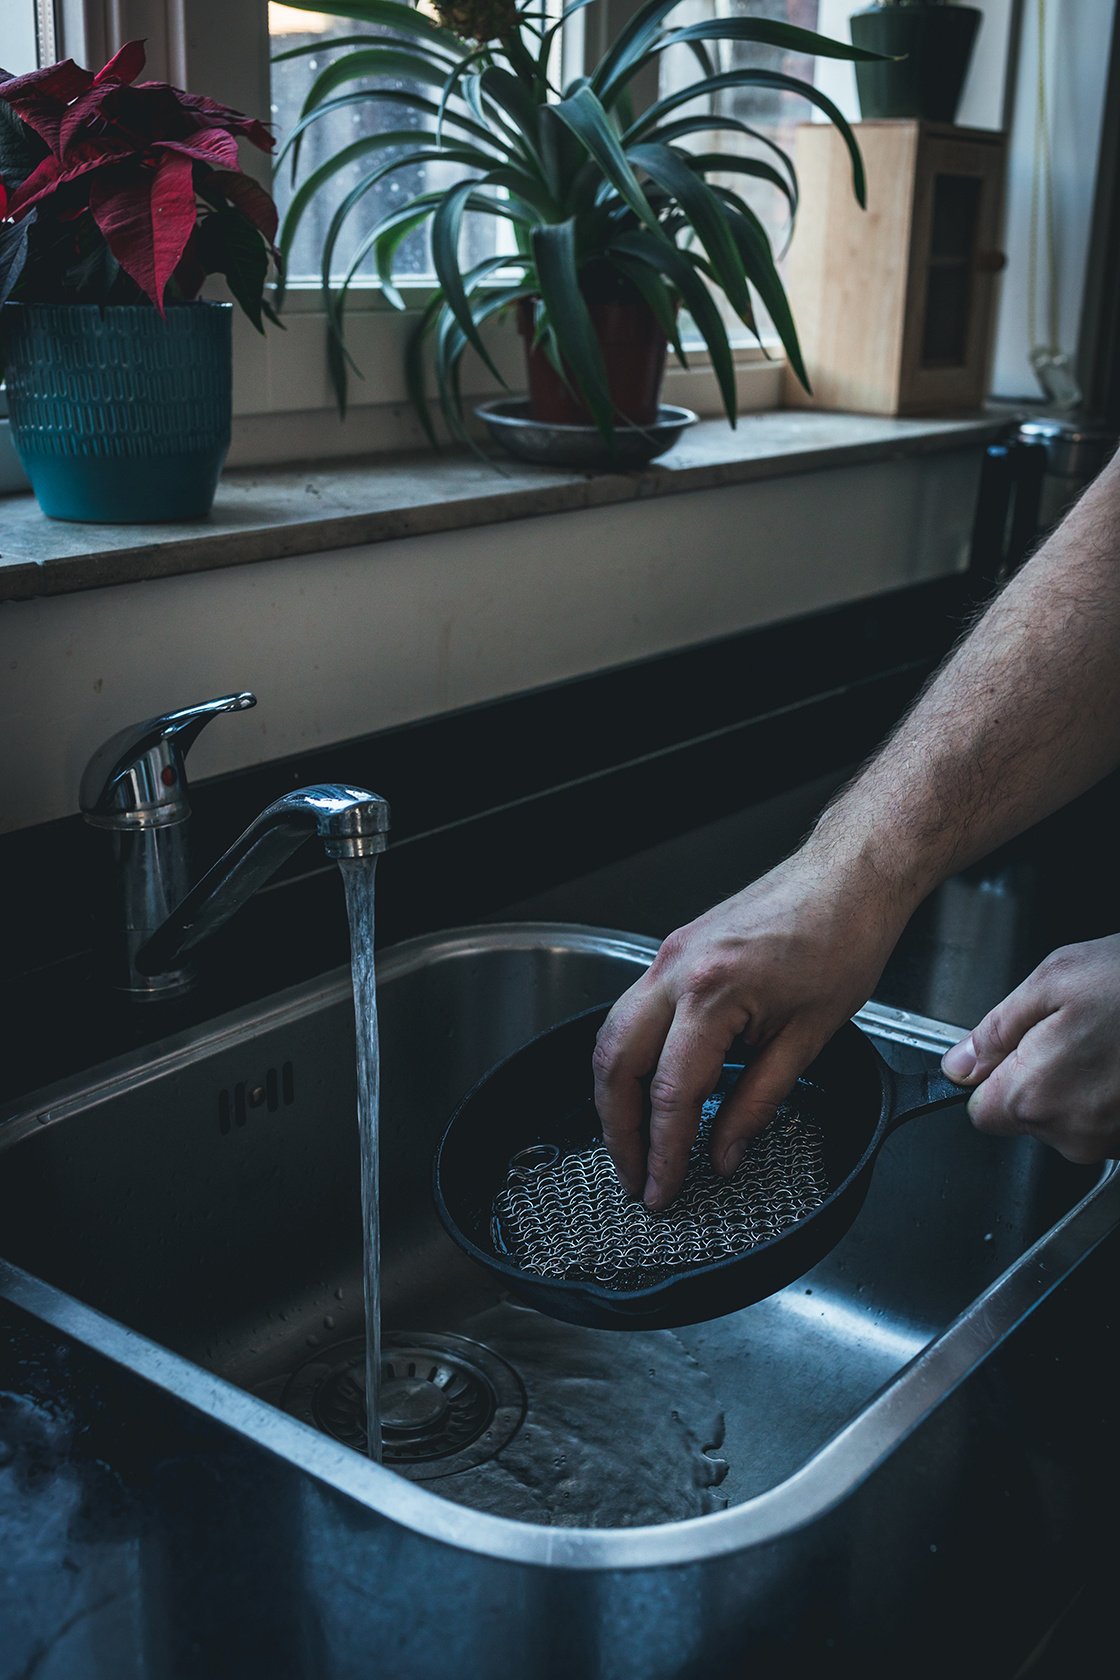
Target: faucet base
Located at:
point(154, 988)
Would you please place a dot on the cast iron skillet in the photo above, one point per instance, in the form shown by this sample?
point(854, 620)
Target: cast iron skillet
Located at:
point(542, 1093)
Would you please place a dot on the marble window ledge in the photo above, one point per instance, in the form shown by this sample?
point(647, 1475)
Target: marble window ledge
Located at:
point(269, 513)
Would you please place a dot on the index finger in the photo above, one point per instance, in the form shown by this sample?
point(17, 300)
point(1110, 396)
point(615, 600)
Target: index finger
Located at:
point(626, 1051)
point(687, 1073)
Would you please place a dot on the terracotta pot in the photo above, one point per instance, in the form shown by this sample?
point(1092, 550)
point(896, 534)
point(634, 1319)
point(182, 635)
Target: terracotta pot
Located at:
point(633, 346)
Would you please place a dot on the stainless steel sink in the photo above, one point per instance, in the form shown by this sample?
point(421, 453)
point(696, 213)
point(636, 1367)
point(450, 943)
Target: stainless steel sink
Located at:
point(798, 1478)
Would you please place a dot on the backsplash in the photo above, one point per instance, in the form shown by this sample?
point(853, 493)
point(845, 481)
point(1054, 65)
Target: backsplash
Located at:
point(491, 805)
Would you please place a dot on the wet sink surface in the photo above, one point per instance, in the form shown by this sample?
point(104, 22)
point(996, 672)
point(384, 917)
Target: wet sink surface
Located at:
point(211, 1202)
point(826, 1470)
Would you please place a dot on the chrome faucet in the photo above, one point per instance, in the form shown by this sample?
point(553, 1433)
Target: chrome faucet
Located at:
point(135, 787)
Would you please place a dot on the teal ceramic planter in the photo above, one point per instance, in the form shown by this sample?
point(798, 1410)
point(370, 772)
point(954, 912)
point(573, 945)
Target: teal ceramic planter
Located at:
point(120, 415)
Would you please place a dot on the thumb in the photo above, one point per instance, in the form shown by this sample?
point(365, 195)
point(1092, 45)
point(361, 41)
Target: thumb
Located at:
point(998, 1034)
point(750, 1107)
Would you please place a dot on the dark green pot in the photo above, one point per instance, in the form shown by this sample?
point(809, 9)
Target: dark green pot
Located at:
point(120, 415)
point(934, 44)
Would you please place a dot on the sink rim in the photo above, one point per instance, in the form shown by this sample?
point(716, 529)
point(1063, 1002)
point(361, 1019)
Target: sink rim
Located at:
point(54, 1102)
point(832, 1473)
point(57, 1101)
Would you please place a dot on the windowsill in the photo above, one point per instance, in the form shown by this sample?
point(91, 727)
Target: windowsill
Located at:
point(270, 513)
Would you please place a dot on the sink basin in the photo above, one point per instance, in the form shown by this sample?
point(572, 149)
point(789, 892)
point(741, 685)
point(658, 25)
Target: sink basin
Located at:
point(875, 1450)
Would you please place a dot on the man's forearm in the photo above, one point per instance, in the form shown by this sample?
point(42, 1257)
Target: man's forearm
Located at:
point(1021, 718)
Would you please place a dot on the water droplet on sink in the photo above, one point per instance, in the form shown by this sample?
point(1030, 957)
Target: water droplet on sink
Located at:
point(328, 1322)
point(313, 1341)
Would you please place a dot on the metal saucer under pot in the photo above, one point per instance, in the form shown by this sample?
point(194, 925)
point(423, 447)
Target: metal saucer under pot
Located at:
point(544, 444)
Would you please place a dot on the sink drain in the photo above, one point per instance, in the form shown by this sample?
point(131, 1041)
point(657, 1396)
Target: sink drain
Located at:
point(447, 1403)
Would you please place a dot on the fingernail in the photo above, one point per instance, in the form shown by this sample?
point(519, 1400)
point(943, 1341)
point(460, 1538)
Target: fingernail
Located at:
point(651, 1195)
point(959, 1063)
point(733, 1154)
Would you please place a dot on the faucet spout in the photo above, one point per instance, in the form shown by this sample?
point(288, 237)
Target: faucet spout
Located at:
point(134, 791)
point(351, 823)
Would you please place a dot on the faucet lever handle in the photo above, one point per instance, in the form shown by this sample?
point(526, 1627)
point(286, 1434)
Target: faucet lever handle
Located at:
point(137, 778)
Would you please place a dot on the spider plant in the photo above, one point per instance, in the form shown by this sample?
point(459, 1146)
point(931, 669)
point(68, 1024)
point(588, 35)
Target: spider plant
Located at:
point(592, 189)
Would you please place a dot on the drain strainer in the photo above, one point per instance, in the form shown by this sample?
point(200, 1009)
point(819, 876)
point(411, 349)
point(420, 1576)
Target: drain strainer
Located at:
point(447, 1403)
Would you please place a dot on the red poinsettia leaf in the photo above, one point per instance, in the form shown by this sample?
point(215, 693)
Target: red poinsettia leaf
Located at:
point(125, 65)
point(136, 116)
point(82, 158)
point(41, 97)
point(209, 145)
point(250, 198)
point(41, 182)
point(209, 114)
point(146, 215)
point(89, 109)
point(63, 82)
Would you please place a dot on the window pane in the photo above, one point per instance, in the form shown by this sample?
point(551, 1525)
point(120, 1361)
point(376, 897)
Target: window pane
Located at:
point(17, 36)
point(325, 138)
point(774, 115)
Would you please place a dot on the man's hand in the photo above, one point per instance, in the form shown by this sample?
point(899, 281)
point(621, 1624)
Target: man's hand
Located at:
point(1023, 716)
point(783, 964)
point(1046, 1061)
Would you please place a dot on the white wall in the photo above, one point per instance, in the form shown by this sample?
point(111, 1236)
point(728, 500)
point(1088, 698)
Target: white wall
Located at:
point(340, 644)
point(1078, 33)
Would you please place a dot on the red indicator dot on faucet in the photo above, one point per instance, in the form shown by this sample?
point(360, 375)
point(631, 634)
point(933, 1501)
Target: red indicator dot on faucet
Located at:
point(167, 775)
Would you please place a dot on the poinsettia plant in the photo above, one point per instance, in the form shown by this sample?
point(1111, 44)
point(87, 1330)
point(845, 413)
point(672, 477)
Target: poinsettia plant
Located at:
point(113, 191)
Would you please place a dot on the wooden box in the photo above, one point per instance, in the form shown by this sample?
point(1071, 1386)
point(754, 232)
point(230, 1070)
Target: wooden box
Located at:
point(894, 305)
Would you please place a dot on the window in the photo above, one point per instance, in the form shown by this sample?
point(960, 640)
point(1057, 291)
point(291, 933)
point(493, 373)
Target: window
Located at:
point(771, 113)
point(308, 37)
point(224, 47)
point(311, 35)
point(21, 22)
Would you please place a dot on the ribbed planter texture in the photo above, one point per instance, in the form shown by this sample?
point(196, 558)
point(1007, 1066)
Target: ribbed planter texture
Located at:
point(933, 44)
point(119, 414)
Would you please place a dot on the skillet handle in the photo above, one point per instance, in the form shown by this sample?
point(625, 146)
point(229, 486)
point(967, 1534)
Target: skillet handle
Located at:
point(915, 1094)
